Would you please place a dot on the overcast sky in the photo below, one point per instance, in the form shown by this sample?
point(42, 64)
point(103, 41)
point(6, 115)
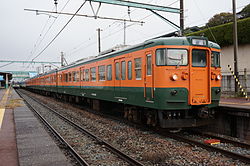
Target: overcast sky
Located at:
point(23, 34)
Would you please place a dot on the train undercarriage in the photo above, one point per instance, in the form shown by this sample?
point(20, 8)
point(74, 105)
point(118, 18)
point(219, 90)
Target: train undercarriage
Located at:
point(194, 117)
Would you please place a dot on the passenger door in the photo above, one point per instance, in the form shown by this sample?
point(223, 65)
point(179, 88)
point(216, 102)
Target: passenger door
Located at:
point(81, 76)
point(117, 79)
point(148, 78)
point(200, 82)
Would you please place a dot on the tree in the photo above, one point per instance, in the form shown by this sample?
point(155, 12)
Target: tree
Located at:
point(245, 12)
point(219, 19)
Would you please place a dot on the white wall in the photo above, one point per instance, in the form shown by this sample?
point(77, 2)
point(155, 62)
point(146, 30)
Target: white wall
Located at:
point(227, 58)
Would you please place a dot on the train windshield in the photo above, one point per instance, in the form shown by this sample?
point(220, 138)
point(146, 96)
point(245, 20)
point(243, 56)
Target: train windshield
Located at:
point(215, 59)
point(171, 57)
point(199, 58)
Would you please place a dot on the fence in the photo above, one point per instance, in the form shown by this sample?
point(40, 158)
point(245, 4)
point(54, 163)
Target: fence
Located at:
point(228, 82)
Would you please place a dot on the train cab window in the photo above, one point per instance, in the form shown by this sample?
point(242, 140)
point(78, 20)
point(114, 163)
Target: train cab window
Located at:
point(109, 72)
point(93, 74)
point(130, 70)
point(138, 68)
point(215, 59)
point(199, 58)
point(149, 64)
point(101, 73)
point(171, 57)
point(86, 78)
point(117, 71)
point(123, 70)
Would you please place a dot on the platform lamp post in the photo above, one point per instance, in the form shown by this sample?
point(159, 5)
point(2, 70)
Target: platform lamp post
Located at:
point(235, 38)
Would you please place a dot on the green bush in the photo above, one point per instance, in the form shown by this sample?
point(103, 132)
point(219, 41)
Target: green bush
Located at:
point(223, 34)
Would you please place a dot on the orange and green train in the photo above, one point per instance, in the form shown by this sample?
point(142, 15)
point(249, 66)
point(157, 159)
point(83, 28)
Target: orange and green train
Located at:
point(171, 82)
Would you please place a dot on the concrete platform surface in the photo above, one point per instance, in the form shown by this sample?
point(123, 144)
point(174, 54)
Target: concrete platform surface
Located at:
point(28, 141)
point(235, 102)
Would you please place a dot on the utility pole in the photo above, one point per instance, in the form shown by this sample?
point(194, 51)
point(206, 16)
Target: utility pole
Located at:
point(235, 36)
point(62, 59)
point(124, 33)
point(181, 17)
point(99, 39)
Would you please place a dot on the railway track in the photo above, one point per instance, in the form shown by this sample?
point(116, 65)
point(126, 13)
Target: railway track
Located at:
point(96, 140)
point(198, 141)
point(181, 138)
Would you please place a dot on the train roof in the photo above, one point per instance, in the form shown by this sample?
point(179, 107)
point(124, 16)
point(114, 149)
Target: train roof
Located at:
point(186, 41)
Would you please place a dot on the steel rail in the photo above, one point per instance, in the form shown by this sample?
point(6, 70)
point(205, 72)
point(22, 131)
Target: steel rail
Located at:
point(233, 155)
point(76, 156)
point(119, 153)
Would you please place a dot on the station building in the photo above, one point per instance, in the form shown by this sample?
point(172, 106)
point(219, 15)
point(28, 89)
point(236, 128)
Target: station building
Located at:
point(5, 78)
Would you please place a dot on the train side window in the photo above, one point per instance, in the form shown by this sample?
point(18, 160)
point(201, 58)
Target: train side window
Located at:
point(86, 75)
point(117, 71)
point(215, 59)
point(123, 70)
point(109, 72)
point(138, 68)
point(101, 73)
point(149, 64)
point(93, 74)
point(130, 70)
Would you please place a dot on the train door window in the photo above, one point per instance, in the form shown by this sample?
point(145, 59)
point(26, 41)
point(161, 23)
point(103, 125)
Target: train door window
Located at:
point(138, 68)
point(93, 73)
point(82, 75)
point(109, 72)
point(101, 73)
point(117, 71)
point(66, 77)
point(74, 76)
point(199, 58)
point(215, 59)
point(77, 76)
point(69, 77)
point(86, 75)
point(130, 70)
point(123, 70)
point(149, 64)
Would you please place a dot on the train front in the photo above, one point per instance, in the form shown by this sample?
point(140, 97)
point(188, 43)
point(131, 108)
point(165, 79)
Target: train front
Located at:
point(193, 82)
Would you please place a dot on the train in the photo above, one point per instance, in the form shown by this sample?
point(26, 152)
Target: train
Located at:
point(169, 82)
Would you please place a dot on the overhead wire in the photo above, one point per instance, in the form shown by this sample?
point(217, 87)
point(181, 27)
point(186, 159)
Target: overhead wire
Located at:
point(59, 32)
point(81, 46)
point(6, 64)
point(47, 31)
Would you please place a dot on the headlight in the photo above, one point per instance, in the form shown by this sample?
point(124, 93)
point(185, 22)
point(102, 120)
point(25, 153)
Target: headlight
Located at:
point(218, 77)
point(174, 77)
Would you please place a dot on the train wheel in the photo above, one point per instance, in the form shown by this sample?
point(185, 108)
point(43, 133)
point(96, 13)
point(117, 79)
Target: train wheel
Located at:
point(152, 118)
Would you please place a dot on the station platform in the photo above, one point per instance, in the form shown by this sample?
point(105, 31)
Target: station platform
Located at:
point(23, 140)
point(235, 102)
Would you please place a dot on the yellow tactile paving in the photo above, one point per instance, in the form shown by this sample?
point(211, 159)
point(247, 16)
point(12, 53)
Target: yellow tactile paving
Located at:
point(2, 106)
